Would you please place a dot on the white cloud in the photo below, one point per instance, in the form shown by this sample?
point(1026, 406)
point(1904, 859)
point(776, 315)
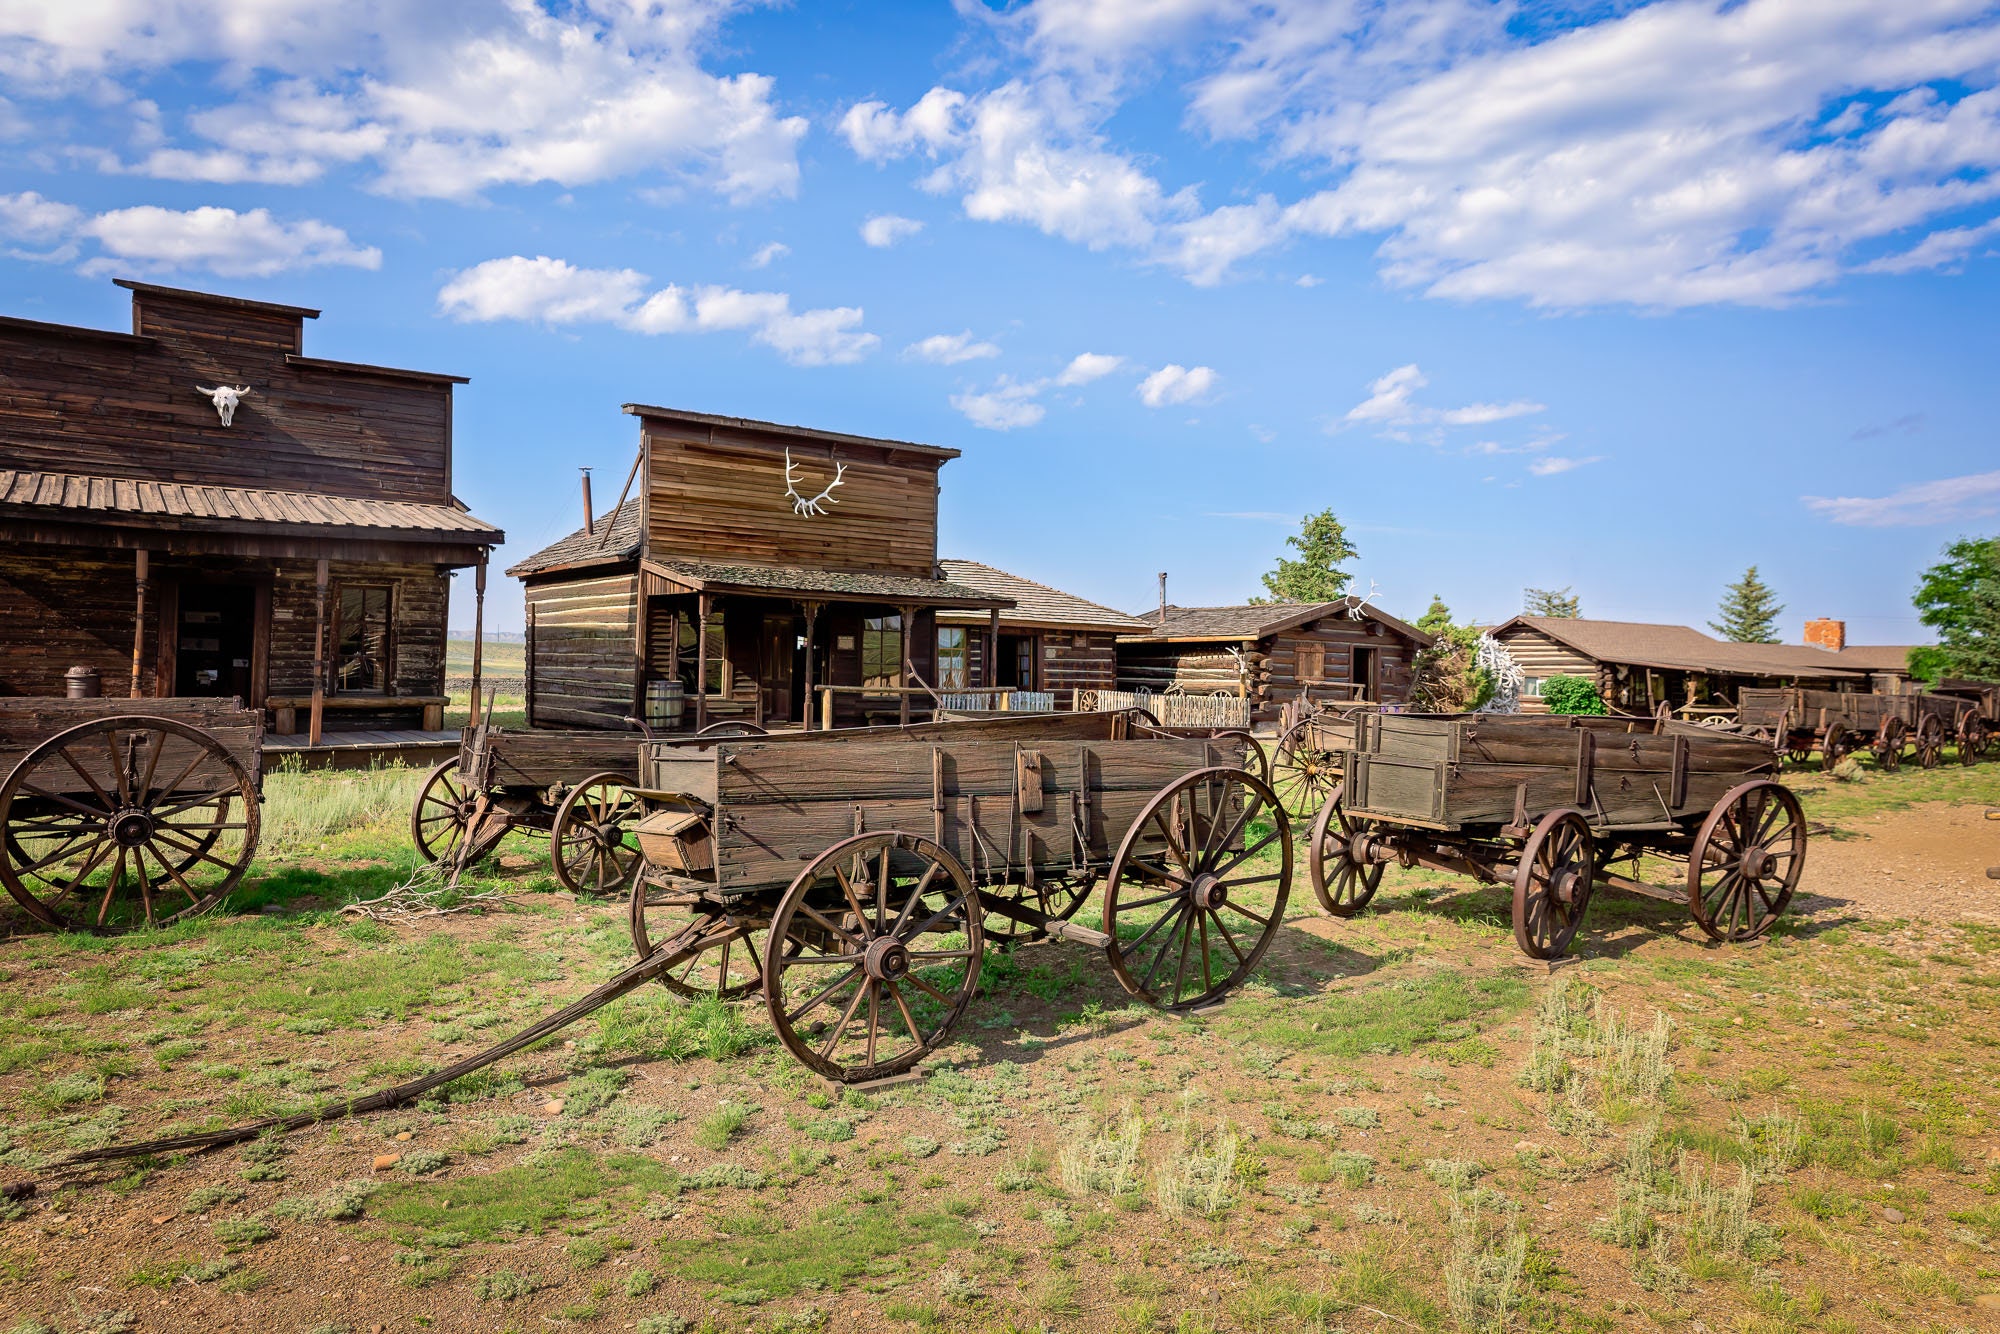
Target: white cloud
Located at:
point(766, 254)
point(886, 229)
point(1391, 403)
point(163, 240)
point(442, 100)
point(1004, 407)
point(951, 349)
point(1085, 367)
point(1172, 384)
point(1552, 465)
point(1678, 153)
point(1950, 500)
point(555, 292)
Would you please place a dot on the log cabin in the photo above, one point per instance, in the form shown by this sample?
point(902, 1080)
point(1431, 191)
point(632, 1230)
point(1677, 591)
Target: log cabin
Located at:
point(1274, 654)
point(199, 508)
point(772, 574)
point(1637, 666)
point(1050, 642)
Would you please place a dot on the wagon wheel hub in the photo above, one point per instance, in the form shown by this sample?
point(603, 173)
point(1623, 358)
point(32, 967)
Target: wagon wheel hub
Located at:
point(1208, 891)
point(887, 959)
point(1756, 861)
point(1564, 883)
point(131, 827)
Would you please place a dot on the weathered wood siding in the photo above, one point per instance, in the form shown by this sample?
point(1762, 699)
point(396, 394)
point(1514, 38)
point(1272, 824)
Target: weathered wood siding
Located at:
point(1066, 660)
point(65, 610)
point(1543, 657)
point(1280, 666)
point(581, 651)
point(126, 406)
point(717, 498)
point(417, 602)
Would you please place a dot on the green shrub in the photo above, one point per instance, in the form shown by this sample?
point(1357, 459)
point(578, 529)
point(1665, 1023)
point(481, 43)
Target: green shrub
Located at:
point(1572, 694)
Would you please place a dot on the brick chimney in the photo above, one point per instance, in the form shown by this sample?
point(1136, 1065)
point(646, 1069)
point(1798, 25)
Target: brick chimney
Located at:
point(1829, 635)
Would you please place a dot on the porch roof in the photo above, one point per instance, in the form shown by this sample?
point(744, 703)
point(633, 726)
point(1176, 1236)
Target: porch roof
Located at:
point(827, 585)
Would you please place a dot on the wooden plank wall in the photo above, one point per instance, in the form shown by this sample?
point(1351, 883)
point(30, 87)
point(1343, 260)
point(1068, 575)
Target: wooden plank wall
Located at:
point(1208, 668)
point(1068, 659)
point(724, 501)
point(63, 610)
point(418, 601)
point(1539, 655)
point(124, 408)
point(582, 647)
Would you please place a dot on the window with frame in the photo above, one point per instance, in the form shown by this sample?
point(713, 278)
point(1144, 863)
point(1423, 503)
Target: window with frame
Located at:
point(882, 652)
point(1531, 687)
point(953, 665)
point(364, 639)
point(1312, 663)
point(718, 659)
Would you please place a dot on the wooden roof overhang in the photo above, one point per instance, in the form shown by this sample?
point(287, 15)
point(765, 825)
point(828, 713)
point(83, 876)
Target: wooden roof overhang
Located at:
point(76, 510)
point(809, 585)
point(719, 430)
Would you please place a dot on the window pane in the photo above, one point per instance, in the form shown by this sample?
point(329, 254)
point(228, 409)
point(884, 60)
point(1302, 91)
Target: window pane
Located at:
point(689, 643)
point(361, 658)
point(951, 660)
point(882, 652)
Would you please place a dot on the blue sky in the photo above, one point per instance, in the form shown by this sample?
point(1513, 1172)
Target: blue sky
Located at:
point(1619, 296)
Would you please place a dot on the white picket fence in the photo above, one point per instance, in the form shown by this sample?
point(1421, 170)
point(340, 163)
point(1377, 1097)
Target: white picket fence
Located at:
point(1172, 710)
point(1009, 701)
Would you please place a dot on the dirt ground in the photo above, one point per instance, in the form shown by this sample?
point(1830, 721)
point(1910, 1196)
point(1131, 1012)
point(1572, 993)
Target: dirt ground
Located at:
point(1400, 1124)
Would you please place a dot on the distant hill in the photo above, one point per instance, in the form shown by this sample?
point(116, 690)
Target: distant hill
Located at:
point(492, 636)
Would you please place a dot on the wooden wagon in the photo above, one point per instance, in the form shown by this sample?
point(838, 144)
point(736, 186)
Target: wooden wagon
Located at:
point(854, 879)
point(1305, 762)
point(1797, 721)
point(567, 786)
point(124, 813)
point(1978, 714)
point(1550, 804)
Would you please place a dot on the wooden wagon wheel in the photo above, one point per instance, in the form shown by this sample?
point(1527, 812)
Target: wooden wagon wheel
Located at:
point(1971, 738)
point(1255, 760)
point(1746, 860)
point(1889, 744)
point(857, 992)
point(1930, 741)
point(1302, 773)
point(1341, 881)
point(442, 812)
point(590, 845)
point(729, 965)
point(1836, 743)
point(126, 822)
point(1179, 884)
point(1552, 883)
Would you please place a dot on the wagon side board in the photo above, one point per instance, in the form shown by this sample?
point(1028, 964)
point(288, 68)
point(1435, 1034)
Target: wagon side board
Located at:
point(27, 722)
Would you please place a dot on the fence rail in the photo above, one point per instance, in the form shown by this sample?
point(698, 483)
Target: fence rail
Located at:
point(1171, 710)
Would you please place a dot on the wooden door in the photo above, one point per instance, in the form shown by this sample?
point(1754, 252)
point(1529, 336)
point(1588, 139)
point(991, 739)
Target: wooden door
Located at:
point(777, 667)
point(1364, 672)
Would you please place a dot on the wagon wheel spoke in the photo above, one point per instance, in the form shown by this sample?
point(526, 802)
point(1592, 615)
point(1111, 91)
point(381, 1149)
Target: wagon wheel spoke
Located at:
point(819, 997)
point(865, 990)
point(1227, 939)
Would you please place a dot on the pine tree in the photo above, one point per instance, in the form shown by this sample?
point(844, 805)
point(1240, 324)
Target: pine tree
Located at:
point(1959, 598)
point(1557, 602)
point(1436, 619)
point(1316, 575)
point(1749, 611)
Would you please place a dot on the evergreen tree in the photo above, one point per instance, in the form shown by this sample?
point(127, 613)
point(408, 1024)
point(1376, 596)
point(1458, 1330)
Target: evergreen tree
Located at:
point(1558, 602)
point(1749, 611)
point(1316, 576)
point(1449, 678)
point(1436, 619)
point(1959, 597)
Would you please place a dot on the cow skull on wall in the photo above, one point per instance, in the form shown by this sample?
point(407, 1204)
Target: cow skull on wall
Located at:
point(225, 397)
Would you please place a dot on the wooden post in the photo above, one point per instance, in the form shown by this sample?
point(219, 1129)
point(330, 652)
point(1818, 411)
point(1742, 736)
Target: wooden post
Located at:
point(319, 654)
point(812, 616)
point(992, 672)
point(478, 631)
point(701, 662)
point(139, 620)
point(909, 618)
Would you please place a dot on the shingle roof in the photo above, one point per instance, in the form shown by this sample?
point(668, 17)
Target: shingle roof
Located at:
point(1256, 620)
point(237, 508)
point(1875, 657)
point(839, 585)
point(1038, 604)
point(580, 549)
point(1682, 648)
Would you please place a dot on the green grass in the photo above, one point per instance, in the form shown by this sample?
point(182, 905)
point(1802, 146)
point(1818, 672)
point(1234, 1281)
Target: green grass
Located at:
point(758, 1251)
point(523, 1200)
point(1394, 1016)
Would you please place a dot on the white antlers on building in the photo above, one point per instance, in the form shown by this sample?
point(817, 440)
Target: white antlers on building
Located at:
point(1360, 608)
point(817, 504)
point(1506, 673)
point(225, 397)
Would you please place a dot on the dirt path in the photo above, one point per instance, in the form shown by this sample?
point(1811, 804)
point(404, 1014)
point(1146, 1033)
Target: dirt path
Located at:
point(1926, 862)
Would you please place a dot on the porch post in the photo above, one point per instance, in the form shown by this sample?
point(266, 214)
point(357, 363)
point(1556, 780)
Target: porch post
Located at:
point(701, 662)
point(319, 653)
point(812, 616)
point(139, 621)
point(909, 615)
point(478, 631)
point(992, 664)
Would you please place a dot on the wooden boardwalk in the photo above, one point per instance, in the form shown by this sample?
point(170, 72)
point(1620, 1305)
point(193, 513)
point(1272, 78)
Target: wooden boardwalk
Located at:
point(362, 749)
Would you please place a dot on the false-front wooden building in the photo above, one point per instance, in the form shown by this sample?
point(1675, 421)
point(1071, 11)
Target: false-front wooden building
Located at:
point(767, 569)
point(1051, 641)
point(199, 508)
point(1274, 654)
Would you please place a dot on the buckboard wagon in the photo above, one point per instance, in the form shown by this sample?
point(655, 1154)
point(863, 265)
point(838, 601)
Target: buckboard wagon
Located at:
point(1305, 763)
point(1549, 804)
point(854, 879)
point(125, 813)
point(1797, 721)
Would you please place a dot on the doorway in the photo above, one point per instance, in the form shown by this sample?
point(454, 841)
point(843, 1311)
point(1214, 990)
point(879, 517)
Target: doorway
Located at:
point(778, 677)
point(215, 637)
point(1015, 662)
point(1364, 672)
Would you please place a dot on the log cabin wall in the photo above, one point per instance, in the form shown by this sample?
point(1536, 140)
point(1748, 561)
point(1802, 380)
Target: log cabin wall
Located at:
point(1317, 659)
point(1066, 660)
point(417, 601)
point(63, 610)
point(1540, 657)
point(582, 650)
point(86, 401)
point(718, 495)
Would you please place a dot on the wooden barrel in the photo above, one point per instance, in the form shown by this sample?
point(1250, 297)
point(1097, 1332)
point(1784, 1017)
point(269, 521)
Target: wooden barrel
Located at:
point(666, 702)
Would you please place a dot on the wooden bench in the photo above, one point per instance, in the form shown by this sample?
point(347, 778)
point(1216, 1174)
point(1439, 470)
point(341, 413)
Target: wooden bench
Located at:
point(285, 709)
